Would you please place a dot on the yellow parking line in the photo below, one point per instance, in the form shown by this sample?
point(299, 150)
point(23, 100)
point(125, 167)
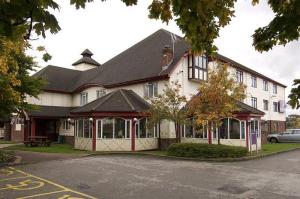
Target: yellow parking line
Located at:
point(42, 194)
point(14, 178)
point(60, 186)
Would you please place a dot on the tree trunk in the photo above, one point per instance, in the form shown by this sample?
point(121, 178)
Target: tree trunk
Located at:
point(219, 141)
point(209, 134)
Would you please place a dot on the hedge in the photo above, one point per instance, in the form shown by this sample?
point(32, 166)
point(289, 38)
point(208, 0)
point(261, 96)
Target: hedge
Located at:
point(6, 156)
point(196, 150)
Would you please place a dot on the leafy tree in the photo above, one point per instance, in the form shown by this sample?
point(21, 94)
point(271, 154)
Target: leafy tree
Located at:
point(293, 122)
point(15, 82)
point(295, 95)
point(168, 106)
point(216, 99)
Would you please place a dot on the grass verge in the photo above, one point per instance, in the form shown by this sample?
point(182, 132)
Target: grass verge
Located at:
point(278, 147)
point(6, 142)
point(54, 148)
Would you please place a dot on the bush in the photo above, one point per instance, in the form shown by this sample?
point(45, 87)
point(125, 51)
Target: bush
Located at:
point(6, 156)
point(195, 150)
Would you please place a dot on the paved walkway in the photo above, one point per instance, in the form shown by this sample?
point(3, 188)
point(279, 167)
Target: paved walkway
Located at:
point(129, 176)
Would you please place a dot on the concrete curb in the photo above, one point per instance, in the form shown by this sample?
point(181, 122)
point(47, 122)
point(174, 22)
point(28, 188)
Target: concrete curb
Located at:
point(192, 159)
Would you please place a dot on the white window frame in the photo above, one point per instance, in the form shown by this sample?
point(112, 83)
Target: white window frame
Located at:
point(265, 85)
point(100, 93)
point(253, 81)
point(114, 121)
point(267, 107)
point(154, 86)
point(275, 88)
point(239, 76)
point(66, 125)
point(83, 98)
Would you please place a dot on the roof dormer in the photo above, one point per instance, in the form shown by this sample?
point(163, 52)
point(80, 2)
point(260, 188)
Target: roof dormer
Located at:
point(86, 62)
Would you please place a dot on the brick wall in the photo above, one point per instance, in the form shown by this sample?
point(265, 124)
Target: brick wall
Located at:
point(17, 136)
point(272, 126)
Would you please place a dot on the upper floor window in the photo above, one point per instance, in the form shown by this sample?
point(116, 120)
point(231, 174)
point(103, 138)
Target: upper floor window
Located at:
point(275, 106)
point(274, 89)
point(253, 82)
point(151, 90)
point(83, 98)
point(66, 125)
point(100, 93)
point(265, 85)
point(254, 102)
point(239, 76)
point(266, 105)
point(197, 67)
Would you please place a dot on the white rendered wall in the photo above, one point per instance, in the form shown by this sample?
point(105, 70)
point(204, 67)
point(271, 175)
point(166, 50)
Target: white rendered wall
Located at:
point(51, 99)
point(83, 67)
point(69, 132)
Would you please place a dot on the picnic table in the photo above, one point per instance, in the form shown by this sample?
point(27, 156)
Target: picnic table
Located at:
point(37, 141)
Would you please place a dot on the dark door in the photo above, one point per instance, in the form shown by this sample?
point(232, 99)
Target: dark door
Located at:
point(47, 127)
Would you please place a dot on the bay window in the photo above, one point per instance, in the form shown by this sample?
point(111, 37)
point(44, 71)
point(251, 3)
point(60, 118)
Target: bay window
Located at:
point(113, 128)
point(197, 67)
point(83, 128)
point(108, 128)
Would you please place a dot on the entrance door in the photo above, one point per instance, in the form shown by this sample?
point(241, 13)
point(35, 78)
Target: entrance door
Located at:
point(47, 127)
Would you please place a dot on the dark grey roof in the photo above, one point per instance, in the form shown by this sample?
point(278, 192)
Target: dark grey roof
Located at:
point(51, 111)
point(117, 101)
point(86, 58)
point(58, 79)
point(245, 108)
point(140, 62)
point(242, 67)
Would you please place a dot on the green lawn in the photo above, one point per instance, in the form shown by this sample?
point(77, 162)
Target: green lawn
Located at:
point(54, 148)
point(278, 147)
point(6, 142)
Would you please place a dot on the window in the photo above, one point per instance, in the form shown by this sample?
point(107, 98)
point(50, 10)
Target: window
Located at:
point(66, 125)
point(83, 128)
point(201, 131)
point(83, 98)
point(151, 90)
point(234, 129)
point(266, 105)
point(265, 85)
point(188, 130)
point(224, 129)
point(197, 67)
point(254, 102)
point(100, 93)
point(253, 82)
point(108, 128)
point(274, 89)
point(142, 128)
point(275, 106)
point(243, 127)
point(239, 76)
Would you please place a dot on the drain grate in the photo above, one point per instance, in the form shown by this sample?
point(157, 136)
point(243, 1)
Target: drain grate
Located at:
point(233, 189)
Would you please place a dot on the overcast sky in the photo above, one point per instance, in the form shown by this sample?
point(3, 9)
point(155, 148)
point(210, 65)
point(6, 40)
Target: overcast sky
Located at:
point(108, 28)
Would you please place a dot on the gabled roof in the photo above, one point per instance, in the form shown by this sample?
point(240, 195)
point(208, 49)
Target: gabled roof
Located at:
point(117, 101)
point(139, 63)
point(244, 68)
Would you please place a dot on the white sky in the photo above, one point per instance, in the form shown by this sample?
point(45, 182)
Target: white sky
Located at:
point(108, 28)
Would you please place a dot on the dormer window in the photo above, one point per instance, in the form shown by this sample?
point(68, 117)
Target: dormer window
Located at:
point(83, 98)
point(197, 67)
point(100, 93)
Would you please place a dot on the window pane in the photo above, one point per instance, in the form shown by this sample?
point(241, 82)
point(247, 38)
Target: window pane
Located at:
point(99, 129)
point(142, 128)
point(80, 128)
point(234, 129)
point(150, 132)
point(128, 132)
point(86, 128)
point(224, 129)
point(188, 130)
point(155, 89)
point(243, 130)
point(200, 132)
point(107, 124)
point(119, 128)
point(150, 90)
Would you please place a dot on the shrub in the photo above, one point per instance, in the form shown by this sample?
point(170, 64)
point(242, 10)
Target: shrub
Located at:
point(195, 150)
point(6, 156)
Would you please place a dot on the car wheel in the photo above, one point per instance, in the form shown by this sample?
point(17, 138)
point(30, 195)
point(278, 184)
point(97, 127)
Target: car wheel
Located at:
point(273, 140)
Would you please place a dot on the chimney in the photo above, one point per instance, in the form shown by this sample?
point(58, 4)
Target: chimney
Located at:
point(167, 56)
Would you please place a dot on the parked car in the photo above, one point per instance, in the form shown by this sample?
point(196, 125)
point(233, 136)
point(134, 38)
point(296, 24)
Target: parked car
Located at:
point(290, 135)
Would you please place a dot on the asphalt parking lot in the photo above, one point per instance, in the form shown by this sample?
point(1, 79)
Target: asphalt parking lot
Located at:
point(131, 176)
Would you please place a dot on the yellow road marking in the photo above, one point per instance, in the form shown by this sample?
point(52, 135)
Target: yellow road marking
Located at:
point(55, 184)
point(42, 194)
point(14, 178)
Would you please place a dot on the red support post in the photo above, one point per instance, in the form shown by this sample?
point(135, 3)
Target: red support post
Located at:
point(133, 135)
point(94, 134)
point(209, 137)
point(32, 129)
point(247, 134)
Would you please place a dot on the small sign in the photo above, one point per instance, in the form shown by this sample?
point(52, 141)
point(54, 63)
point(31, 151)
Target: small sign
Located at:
point(254, 137)
point(18, 127)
